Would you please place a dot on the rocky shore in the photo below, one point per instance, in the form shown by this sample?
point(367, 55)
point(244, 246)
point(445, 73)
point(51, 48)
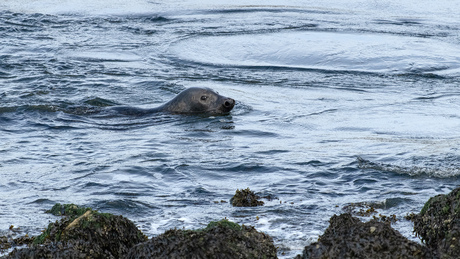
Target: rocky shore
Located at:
point(87, 233)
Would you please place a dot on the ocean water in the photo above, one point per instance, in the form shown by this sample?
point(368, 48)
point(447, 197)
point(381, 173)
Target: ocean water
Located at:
point(338, 102)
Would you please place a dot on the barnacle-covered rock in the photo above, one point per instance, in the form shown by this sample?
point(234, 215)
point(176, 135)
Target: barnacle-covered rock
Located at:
point(7, 242)
point(245, 198)
point(348, 237)
point(221, 239)
point(86, 234)
point(438, 224)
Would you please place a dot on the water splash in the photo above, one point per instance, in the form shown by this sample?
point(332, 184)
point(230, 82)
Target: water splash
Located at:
point(439, 168)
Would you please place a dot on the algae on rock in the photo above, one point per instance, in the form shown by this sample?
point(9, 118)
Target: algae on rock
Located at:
point(221, 239)
point(245, 198)
point(84, 233)
point(348, 237)
point(438, 224)
point(69, 210)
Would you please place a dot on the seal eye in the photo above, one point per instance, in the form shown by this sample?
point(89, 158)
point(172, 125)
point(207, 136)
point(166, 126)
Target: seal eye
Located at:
point(204, 98)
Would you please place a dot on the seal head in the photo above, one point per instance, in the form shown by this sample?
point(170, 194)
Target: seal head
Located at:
point(196, 100)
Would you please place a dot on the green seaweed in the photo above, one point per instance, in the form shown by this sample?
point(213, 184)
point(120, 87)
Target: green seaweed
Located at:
point(445, 209)
point(225, 223)
point(70, 210)
point(219, 239)
point(427, 205)
point(83, 232)
point(45, 235)
point(438, 224)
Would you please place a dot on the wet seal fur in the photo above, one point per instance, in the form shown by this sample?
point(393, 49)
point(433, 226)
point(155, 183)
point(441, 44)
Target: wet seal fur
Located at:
point(194, 100)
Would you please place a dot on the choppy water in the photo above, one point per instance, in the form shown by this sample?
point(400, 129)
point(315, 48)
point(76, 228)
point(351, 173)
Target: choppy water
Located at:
point(317, 83)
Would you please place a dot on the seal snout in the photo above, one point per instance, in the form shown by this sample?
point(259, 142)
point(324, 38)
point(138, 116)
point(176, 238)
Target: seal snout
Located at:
point(229, 103)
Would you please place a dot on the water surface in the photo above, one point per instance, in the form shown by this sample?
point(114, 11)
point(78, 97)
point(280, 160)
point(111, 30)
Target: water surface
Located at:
point(318, 85)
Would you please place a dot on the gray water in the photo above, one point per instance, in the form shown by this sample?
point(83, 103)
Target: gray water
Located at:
point(318, 84)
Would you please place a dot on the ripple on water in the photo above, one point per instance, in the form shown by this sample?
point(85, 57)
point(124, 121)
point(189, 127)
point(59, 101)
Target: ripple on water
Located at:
point(333, 51)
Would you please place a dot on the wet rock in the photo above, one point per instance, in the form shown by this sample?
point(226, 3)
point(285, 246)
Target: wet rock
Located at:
point(221, 239)
point(69, 210)
point(362, 209)
point(4, 243)
point(348, 237)
point(13, 239)
point(365, 209)
point(245, 198)
point(438, 224)
point(84, 233)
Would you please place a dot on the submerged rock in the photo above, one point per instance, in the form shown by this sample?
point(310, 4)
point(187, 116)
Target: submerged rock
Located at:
point(221, 239)
point(84, 233)
point(348, 237)
point(7, 242)
point(245, 198)
point(366, 209)
point(438, 224)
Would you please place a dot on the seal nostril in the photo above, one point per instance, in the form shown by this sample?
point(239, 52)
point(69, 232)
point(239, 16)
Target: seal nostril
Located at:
point(229, 103)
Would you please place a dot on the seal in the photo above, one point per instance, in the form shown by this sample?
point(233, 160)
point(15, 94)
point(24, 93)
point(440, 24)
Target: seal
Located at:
point(193, 100)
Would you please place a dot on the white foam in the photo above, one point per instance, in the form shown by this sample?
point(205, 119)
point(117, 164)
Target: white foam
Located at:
point(106, 56)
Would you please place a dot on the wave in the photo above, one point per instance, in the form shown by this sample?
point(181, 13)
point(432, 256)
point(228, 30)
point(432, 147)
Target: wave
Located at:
point(439, 168)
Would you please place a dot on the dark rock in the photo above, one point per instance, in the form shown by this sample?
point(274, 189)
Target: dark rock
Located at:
point(363, 209)
point(14, 239)
point(222, 239)
point(438, 224)
point(88, 235)
point(8, 242)
point(245, 198)
point(348, 237)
